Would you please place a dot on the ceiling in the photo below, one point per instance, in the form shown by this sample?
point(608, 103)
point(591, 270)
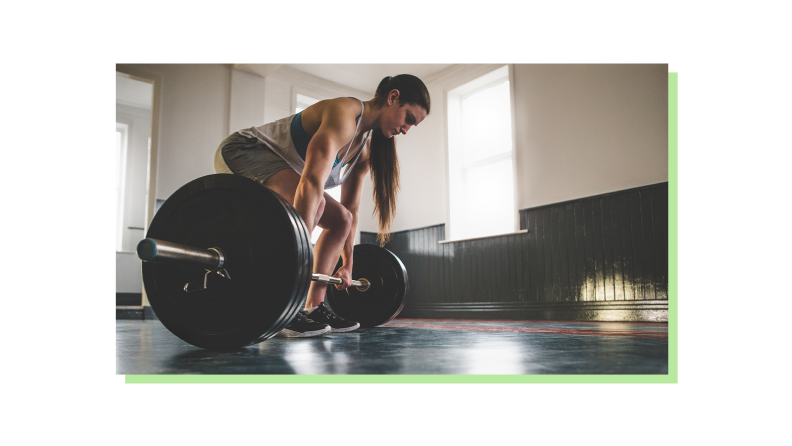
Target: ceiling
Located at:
point(363, 77)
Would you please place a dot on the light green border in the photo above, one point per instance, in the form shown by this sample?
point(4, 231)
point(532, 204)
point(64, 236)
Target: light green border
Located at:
point(399, 379)
point(671, 377)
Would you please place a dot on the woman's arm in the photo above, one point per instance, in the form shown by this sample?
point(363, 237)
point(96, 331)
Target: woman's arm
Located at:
point(337, 127)
point(351, 192)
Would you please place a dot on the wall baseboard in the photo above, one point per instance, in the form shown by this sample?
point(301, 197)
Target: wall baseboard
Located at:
point(610, 311)
point(129, 312)
point(134, 312)
point(129, 299)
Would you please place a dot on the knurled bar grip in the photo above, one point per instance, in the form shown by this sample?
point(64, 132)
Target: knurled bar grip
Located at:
point(160, 251)
point(335, 280)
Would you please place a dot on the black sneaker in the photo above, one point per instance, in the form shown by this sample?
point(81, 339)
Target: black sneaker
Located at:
point(302, 327)
point(324, 315)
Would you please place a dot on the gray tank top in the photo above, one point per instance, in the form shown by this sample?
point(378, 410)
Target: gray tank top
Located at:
point(277, 137)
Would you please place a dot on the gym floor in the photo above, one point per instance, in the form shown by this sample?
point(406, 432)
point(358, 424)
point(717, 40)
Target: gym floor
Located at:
point(412, 346)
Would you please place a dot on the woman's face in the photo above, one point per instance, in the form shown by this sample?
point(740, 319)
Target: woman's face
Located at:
point(399, 118)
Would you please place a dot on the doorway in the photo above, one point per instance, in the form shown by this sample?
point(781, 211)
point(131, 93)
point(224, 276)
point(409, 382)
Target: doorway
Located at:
point(133, 141)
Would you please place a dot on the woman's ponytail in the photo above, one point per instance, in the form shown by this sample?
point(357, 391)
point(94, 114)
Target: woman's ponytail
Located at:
point(384, 165)
point(383, 161)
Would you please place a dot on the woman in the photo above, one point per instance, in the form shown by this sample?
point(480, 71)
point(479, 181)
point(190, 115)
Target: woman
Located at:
point(333, 142)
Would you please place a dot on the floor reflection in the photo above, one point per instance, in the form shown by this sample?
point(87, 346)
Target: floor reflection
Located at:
point(488, 357)
point(319, 355)
point(146, 347)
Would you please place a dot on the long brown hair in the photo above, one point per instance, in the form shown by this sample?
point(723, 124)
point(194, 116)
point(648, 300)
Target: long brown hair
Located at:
point(383, 159)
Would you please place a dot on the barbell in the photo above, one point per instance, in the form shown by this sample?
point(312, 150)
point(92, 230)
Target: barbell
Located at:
point(213, 259)
point(228, 262)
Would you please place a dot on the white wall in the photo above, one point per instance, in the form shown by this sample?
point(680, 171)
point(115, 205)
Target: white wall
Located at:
point(128, 279)
point(585, 130)
point(581, 130)
point(248, 96)
point(194, 119)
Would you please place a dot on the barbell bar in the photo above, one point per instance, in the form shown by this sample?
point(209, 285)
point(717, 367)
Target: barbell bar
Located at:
point(212, 259)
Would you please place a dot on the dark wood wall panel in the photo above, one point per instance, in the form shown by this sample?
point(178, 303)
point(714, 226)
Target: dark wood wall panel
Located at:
point(596, 258)
point(609, 247)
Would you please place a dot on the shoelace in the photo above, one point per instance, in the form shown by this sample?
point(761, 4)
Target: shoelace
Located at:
point(327, 312)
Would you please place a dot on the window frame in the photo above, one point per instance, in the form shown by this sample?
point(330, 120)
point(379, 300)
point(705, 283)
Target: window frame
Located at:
point(124, 129)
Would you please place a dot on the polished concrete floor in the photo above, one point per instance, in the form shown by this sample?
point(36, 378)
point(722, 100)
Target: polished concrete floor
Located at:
point(411, 346)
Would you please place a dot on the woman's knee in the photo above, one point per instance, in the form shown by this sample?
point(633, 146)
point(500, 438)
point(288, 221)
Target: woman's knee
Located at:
point(346, 220)
point(336, 218)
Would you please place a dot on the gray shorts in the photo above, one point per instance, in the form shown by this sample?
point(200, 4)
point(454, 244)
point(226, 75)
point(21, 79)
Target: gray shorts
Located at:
point(249, 157)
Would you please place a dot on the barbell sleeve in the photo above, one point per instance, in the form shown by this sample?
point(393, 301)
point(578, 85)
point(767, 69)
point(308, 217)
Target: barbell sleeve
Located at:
point(160, 251)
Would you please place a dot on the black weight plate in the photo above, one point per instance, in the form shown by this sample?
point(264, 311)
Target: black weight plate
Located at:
point(305, 256)
point(266, 257)
point(306, 251)
point(385, 297)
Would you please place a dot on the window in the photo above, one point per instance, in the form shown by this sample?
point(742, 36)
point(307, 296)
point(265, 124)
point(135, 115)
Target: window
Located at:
point(304, 102)
point(122, 131)
point(480, 157)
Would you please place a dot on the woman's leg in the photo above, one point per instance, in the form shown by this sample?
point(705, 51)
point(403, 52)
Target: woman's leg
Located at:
point(332, 217)
point(336, 221)
point(285, 183)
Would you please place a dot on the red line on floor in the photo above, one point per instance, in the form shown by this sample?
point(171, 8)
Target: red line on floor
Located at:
point(509, 321)
point(543, 330)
